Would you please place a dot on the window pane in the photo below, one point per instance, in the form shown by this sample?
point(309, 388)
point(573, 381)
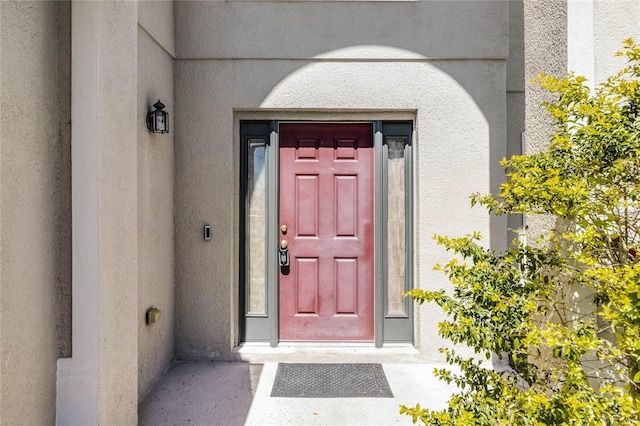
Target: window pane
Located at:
point(256, 228)
point(396, 227)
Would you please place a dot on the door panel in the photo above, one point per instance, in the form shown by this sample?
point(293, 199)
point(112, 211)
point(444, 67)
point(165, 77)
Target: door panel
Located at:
point(326, 201)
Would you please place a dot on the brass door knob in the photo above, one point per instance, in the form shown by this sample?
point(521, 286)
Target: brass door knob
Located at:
point(284, 244)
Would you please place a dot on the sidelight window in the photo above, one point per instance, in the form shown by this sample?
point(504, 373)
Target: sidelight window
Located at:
point(395, 230)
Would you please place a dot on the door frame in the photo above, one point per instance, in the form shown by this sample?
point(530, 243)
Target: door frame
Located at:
point(264, 327)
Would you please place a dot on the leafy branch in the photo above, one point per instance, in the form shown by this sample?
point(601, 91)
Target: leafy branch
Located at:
point(565, 313)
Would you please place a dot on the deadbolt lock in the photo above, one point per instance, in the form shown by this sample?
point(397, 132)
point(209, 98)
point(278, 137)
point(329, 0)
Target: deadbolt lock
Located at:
point(283, 254)
point(283, 229)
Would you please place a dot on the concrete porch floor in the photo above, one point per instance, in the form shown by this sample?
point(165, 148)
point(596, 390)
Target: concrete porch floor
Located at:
point(238, 393)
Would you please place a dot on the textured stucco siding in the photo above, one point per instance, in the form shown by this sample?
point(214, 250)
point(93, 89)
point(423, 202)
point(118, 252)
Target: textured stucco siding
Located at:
point(155, 209)
point(613, 22)
point(98, 384)
point(459, 106)
point(574, 35)
point(34, 207)
point(64, 309)
point(266, 29)
point(515, 93)
point(157, 19)
point(545, 41)
point(117, 206)
point(515, 78)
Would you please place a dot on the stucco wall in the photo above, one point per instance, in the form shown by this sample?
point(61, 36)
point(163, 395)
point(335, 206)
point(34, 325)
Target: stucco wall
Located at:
point(581, 36)
point(515, 90)
point(34, 207)
point(157, 19)
point(117, 228)
point(266, 29)
point(545, 47)
point(155, 195)
point(63, 182)
point(459, 104)
point(613, 22)
point(515, 78)
point(98, 384)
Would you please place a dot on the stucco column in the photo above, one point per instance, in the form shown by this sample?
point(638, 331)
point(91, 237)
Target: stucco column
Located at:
point(545, 50)
point(98, 384)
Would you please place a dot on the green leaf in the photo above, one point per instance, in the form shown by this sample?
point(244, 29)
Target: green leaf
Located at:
point(569, 293)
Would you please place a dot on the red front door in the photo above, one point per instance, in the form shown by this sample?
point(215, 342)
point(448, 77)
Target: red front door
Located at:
point(326, 204)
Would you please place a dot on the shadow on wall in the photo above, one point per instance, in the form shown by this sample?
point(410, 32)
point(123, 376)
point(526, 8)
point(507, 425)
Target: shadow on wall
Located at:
point(459, 115)
point(339, 49)
point(267, 30)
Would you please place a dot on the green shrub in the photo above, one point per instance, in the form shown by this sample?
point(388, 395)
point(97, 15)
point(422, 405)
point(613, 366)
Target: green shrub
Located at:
point(570, 365)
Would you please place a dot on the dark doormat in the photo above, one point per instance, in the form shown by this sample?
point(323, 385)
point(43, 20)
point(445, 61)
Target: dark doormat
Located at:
point(331, 381)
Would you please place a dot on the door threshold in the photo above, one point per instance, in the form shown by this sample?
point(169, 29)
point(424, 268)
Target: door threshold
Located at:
point(328, 352)
point(327, 343)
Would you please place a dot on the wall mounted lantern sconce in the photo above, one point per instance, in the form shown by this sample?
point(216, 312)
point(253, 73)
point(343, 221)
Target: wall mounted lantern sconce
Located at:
point(158, 119)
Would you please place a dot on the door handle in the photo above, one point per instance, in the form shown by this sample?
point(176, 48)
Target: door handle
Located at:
point(283, 253)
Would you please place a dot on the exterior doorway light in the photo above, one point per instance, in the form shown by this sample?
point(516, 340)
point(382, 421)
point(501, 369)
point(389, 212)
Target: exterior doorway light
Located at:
point(158, 119)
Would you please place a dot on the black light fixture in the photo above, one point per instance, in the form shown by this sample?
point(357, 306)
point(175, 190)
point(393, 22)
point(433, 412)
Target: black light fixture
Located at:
point(158, 119)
